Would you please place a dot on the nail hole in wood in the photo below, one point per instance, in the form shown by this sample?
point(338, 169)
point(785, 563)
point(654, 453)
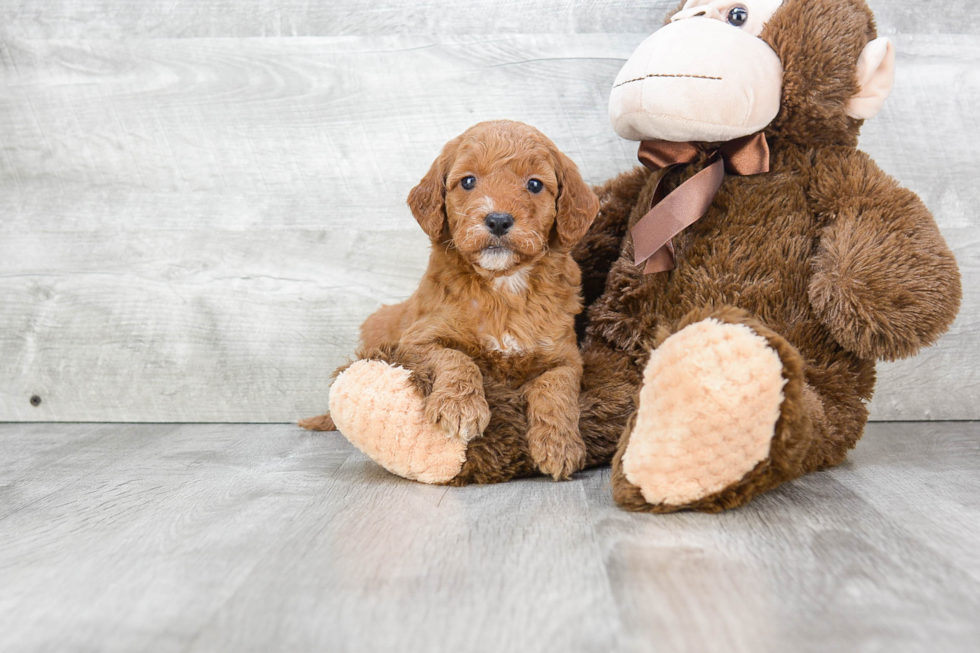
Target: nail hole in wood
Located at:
point(35, 401)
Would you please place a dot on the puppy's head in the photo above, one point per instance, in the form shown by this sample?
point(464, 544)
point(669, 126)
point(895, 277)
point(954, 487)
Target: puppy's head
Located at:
point(502, 195)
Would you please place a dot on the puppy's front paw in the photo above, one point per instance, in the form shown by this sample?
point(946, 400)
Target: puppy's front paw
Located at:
point(462, 415)
point(557, 452)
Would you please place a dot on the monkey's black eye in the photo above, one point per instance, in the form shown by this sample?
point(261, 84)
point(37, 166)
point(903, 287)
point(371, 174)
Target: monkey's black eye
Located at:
point(738, 16)
point(535, 186)
point(468, 183)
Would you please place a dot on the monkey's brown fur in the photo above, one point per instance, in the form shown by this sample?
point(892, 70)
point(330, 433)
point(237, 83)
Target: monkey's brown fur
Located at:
point(826, 257)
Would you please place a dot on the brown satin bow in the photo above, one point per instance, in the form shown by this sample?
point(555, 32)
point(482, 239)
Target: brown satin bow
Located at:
point(689, 202)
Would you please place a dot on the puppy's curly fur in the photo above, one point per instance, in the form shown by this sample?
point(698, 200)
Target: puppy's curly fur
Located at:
point(497, 307)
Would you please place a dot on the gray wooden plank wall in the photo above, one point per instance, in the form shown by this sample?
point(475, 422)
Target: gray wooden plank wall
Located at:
point(201, 200)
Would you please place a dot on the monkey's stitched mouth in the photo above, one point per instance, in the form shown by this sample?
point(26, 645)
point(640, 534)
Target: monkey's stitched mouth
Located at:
point(640, 79)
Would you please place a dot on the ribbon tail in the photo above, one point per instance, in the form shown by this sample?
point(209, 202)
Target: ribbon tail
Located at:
point(661, 261)
point(679, 210)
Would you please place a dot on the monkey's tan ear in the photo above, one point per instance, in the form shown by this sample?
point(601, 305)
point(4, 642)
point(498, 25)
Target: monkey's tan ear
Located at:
point(577, 205)
point(876, 77)
point(428, 199)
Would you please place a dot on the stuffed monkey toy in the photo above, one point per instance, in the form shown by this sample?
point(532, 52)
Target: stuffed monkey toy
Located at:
point(740, 285)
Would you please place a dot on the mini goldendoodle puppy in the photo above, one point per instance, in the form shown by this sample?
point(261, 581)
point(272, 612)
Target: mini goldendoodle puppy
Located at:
point(503, 208)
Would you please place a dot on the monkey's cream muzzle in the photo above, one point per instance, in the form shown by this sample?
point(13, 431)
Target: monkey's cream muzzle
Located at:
point(697, 79)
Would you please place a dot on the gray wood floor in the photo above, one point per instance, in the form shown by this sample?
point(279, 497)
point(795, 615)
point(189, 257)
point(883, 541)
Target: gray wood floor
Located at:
point(265, 538)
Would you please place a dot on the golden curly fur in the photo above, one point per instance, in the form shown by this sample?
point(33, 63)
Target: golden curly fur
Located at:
point(502, 306)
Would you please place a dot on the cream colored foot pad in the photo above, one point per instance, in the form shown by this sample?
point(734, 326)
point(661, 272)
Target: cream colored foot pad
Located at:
point(376, 407)
point(708, 408)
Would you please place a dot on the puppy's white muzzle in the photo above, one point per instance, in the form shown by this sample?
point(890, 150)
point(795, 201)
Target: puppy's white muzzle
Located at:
point(496, 259)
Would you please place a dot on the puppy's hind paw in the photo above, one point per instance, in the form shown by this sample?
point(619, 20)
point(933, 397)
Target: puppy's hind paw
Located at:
point(462, 415)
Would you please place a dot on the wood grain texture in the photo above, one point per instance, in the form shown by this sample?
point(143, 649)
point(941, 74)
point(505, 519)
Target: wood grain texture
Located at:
point(69, 19)
point(57, 19)
point(256, 538)
point(193, 228)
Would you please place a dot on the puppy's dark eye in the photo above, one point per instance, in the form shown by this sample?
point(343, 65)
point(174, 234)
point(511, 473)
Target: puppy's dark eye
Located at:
point(535, 186)
point(468, 183)
point(738, 16)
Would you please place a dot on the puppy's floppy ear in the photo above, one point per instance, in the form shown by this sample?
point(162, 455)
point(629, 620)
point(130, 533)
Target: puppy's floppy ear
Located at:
point(577, 204)
point(428, 199)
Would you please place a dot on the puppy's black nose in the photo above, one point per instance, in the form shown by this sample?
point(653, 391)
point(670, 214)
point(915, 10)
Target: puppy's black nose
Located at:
point(499, 223)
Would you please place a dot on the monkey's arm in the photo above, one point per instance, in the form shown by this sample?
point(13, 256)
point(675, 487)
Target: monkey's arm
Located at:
point(600, 247)
point(884, 282)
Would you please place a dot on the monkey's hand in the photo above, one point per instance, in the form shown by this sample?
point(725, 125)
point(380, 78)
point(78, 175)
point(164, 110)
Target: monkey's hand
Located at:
point(884, 282)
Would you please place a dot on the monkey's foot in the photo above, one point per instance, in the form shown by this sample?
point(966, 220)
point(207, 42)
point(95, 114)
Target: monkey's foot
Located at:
point(708, 409)
point(378, 409)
